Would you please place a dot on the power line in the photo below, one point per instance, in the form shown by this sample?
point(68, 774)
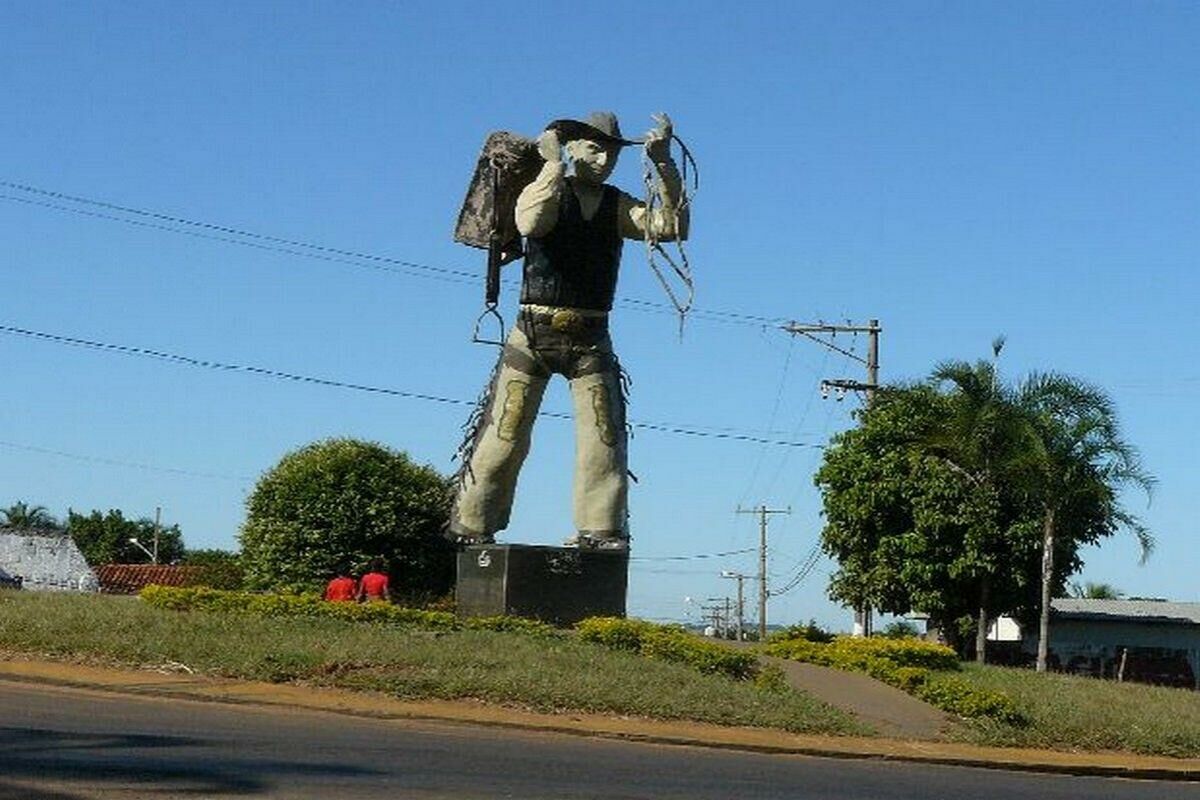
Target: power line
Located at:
point(112, 462)
point(689, 558)
point(642, 569)
point(810, 563)
point(758, 462)
point(158, 355)
point(396, 266)
point(223, 229)
point(299, 247)
point(810, 330)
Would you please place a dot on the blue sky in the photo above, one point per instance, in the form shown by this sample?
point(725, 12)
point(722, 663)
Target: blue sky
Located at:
point(955, 170)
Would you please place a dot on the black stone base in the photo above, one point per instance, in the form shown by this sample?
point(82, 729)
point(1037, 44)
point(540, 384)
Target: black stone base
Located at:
point(558, 585)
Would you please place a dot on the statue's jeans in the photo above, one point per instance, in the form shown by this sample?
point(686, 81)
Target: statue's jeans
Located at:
point(501, 442)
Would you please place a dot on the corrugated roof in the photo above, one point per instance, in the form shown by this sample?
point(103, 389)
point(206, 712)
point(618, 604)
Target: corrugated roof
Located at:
point(1127, 609)
point(132, 578)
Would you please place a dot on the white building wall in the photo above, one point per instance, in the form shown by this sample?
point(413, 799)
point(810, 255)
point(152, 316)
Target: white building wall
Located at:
point(1104, 638)
point(46, 562)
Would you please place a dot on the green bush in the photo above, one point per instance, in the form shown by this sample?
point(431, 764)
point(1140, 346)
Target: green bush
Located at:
point(959, 697)
point(902, 652)
point(811, 632)
point(222, 569)
point(668, 643)
point(907, 664)
point(616, 633)
point(770, 678)
point(333, 506)
point(802, 650)
point(200, 598)
point(532, 627)
point(848, 652)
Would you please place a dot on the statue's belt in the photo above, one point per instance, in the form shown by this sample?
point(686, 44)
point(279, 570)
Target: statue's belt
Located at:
point(565, 320)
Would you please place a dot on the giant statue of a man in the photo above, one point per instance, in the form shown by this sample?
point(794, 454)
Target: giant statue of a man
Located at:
point(574, 225)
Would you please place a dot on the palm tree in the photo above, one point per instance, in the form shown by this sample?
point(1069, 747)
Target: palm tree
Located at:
point(986, 439)
point(21, 515)
point(1080, 459)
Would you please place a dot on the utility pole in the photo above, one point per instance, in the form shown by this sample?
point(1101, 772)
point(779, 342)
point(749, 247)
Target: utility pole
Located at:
point(157, 523)
point(763, 513)
point(712, 614)
point(840, 386)
point(741, 604)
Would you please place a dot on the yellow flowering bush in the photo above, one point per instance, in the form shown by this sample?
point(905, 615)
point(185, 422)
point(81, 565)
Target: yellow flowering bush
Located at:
point(668, 643)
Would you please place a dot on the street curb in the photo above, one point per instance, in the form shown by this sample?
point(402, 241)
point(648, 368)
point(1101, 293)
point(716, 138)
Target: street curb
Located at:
point(359, 704)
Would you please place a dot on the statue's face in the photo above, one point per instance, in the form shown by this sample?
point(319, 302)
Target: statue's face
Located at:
point(594, 161)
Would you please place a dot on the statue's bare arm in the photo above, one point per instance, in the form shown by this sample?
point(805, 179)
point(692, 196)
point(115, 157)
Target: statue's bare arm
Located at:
point(668, 221)
point(537, 205)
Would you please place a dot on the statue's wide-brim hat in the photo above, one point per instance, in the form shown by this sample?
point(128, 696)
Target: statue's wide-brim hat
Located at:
point(600, 126)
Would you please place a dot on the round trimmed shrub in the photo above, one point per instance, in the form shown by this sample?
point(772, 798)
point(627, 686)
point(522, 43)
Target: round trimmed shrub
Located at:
point(333, 506)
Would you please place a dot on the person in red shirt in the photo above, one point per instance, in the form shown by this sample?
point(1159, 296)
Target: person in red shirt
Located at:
point(341, 589)
point(373, 588)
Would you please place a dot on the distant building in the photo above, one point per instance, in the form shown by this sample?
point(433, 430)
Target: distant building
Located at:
point(1004, 629)
point(132, 578)
point(45, 560)
point(1156, 641)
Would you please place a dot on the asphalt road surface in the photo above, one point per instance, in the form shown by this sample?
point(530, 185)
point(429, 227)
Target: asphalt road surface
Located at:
point(59, 744)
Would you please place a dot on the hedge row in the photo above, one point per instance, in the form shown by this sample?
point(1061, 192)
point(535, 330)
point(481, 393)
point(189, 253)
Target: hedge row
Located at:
point(662, 642)
point(668, 643)
point(855, 652)
point(907, 664)
point(199, 598)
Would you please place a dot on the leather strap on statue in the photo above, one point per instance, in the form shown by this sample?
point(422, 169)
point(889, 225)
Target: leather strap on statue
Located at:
point(506, 164)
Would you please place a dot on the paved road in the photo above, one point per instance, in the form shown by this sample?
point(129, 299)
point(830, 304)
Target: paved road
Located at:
point(58, 744)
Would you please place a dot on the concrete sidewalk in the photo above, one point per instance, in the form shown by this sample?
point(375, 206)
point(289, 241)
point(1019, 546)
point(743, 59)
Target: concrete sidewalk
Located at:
point(887, 709)
point(170, 684)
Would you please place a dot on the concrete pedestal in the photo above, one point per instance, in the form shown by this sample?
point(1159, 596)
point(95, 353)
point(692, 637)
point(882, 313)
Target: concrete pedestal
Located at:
point(558, 585)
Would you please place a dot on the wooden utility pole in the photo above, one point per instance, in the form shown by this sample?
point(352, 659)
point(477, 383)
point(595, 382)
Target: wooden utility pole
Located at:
point(840, 386)
point(157, 522)
point(741, 604)
point(763, 513)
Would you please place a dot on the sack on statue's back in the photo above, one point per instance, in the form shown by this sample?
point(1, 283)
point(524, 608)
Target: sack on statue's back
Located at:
point(507, 164)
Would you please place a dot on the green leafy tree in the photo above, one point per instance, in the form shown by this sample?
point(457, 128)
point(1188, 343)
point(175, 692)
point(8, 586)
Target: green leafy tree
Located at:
point(988, 440)
point(966, 488)
point(909, 529)
point(104, 538)
point(222, 569)
point(913, 530)
point(332, 506)
point(24, 516)
point(1081, 465)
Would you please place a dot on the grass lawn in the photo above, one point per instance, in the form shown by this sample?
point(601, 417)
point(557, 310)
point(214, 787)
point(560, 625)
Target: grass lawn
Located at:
point(1067, 712)
point(557, 675)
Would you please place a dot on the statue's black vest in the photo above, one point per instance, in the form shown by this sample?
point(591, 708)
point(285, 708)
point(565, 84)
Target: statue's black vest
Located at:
point(575, 264)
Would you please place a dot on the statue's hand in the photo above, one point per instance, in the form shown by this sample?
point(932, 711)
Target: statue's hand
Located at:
point(658, 138)
point(549, 147)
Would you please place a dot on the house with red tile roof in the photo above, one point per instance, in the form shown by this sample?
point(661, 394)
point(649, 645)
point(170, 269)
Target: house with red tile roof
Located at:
point(132, 578)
